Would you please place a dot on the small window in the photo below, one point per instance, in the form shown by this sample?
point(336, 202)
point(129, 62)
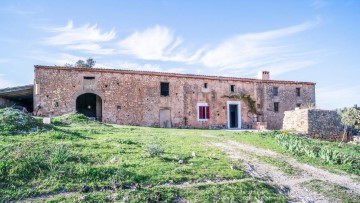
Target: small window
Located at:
point(298, 92)
point(275, 91)
point(203, 112)
point(205, 85)
point(298, 105)
point(232, 88)
point(276, 106)
point(164, 89)
point(89, 78)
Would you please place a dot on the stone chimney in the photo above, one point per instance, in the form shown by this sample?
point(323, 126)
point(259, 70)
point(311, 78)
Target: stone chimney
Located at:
point(264, 75)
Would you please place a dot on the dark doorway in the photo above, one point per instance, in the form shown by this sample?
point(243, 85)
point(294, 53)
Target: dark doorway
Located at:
point(90, 105)
point(233, 115)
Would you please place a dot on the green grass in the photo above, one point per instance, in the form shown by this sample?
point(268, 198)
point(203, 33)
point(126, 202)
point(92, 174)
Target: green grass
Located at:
point(76, 153)
point(281, 164)
point(79, 153)
point(247, 191)
point(268, 141)
point(332, 191)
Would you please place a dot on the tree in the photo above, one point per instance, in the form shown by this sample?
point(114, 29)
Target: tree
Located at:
point(89, 63)
point(80, 64)
point(350, 118)
point(69, 65)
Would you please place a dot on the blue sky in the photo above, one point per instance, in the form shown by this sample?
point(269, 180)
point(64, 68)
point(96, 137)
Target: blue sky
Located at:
point(309, 40)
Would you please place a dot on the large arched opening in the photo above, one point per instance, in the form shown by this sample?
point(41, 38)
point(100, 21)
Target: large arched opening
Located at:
point(90, 105)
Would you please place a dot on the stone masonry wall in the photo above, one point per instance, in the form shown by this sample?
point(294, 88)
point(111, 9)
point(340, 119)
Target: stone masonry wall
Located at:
point(138, 96)
point(323, 124)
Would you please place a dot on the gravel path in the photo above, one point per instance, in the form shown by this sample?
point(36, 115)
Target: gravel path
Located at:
point(260, 169)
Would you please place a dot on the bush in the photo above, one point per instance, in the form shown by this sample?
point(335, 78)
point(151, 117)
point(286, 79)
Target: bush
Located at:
point(155, 150)
point(328, 152)
point(350, 117)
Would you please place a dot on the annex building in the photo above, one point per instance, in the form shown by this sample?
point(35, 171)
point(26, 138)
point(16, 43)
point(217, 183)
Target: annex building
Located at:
point(161, 99)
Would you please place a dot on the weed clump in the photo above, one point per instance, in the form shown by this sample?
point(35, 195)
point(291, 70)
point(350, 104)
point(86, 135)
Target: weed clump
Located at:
point(13, 121)
point(155, 150)
point(70, 118)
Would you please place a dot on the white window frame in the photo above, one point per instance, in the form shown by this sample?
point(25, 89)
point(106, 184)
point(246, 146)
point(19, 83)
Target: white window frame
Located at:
point(197, 110)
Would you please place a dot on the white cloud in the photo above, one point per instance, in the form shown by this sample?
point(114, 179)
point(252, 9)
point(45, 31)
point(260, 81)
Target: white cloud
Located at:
point(86, 38)
point(58, 59)
point(4, 83)
point(243, 54)
point(319, 3)
point(91, 48)
point(255, 51)
point(136, 66)
point(332, 98)
point(4, 60)
point(157, 43)
point(130, 66)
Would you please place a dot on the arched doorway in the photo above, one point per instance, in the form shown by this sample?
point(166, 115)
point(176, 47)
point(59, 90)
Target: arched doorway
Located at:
point(90, 105)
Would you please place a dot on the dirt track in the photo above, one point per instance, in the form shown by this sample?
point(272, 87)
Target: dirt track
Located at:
point(259, 169)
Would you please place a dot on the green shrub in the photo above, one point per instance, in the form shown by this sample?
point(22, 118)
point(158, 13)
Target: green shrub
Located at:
point(155, 150)
point(328, 152)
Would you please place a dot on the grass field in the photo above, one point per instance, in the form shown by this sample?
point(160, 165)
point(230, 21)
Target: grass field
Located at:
point(80, 160)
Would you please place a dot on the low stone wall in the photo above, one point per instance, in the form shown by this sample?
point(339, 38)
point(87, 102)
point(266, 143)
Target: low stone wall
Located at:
point(315, 123)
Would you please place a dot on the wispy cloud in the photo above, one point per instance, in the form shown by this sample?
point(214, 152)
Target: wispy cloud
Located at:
point(137, 66)
point(242, 54)
point(58, 59)
point(157, 43)
point(319, 3)
point(334, 97)
point(87, 38)
point(254, 51)
point(6, 83)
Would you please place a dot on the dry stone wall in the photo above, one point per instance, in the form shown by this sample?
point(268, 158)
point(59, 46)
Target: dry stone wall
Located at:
point(322, 124)
point(133, 97)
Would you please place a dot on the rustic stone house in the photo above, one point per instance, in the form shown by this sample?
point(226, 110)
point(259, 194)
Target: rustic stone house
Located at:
point(167, 99)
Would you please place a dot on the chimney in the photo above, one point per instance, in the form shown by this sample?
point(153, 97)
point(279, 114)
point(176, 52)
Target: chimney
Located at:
point(264, 75)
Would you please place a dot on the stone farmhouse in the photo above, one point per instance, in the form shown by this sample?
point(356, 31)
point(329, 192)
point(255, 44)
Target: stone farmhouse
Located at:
point(161, 99)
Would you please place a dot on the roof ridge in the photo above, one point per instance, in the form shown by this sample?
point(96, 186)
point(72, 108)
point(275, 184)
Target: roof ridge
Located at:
point(172, 74)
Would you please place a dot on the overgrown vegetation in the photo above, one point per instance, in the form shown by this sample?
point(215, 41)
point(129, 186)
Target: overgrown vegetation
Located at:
point(13, 121)
point(350, 118)
point(250, 101)
point(155, 150)
point(328, 152)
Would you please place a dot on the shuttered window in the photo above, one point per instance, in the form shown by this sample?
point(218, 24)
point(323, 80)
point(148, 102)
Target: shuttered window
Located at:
point(204, 112)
